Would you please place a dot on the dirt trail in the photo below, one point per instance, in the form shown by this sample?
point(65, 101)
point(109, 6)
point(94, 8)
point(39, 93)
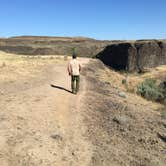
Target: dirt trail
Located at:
point(41, 122)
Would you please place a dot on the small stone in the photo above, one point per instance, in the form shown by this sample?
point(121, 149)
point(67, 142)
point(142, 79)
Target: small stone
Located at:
point(122, 94)
point(57, 137)
point(162, 136)
point(122, 120)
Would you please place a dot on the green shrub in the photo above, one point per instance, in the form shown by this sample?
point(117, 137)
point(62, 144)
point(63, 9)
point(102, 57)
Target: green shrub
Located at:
point(150, 90)
point(73, 51)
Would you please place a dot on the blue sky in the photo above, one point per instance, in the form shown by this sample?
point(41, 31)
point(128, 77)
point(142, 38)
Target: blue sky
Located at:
point(99, 19)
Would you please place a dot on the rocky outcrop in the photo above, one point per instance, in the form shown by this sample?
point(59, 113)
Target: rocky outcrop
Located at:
point(33, 45)
point(120, 55)
point(134, 56)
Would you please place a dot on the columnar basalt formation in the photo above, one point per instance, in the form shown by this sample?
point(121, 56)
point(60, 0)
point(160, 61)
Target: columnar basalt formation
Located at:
point(134, 56)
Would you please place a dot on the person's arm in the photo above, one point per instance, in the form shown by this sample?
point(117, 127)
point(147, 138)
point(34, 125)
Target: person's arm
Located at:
point(79, 67)
point(69, 68)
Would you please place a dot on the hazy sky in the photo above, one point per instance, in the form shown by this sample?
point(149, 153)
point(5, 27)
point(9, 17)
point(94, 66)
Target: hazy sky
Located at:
point(100, 19)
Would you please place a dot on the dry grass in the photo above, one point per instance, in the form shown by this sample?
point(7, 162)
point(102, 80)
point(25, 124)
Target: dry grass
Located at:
point(113, 77)
point(157, 73)
point(14, 67)
point(116, 78)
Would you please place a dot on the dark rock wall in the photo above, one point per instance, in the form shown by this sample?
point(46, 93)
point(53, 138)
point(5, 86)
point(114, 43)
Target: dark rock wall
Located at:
point(118, 56)
point(134, 56)
point(148, 54)
point(163, 52)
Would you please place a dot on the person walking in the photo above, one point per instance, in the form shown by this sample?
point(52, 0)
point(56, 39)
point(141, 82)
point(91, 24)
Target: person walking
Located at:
point(74, 69)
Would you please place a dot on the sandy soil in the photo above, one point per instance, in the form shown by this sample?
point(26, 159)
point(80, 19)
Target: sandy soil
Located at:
point(43, 124)
point(41, 121)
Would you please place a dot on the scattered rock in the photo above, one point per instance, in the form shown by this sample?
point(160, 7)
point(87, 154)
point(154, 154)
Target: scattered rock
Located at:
point(162, 136)
point(57, 137)
point(122, 120)
point(122, 94)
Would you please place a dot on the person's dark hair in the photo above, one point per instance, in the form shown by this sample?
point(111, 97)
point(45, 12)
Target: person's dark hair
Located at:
point(74, 56)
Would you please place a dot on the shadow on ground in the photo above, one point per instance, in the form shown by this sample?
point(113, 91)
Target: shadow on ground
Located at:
point(59, 87)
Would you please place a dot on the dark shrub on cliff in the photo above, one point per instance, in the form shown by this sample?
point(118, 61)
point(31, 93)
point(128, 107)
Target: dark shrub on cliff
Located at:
point(150, 90)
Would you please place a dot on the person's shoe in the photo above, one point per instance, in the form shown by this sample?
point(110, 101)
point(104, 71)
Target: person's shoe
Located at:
point(74, 92)
point(77, 91)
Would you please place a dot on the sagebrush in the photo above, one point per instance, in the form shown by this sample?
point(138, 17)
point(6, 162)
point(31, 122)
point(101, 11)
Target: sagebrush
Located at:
point(150, 90)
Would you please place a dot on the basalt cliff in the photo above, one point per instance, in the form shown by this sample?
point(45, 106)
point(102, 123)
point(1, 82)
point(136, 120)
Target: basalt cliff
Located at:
point(121, 55)
point(135, 55)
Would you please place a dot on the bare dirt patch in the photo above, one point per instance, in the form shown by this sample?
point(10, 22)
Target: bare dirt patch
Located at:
point(40, 124)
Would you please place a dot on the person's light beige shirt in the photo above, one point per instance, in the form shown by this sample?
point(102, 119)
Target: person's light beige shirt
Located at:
point(74, 67)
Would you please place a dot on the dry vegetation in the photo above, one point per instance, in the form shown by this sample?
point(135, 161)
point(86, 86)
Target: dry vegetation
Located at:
point(132, 79)
point(14, 67)
point(125, 129)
